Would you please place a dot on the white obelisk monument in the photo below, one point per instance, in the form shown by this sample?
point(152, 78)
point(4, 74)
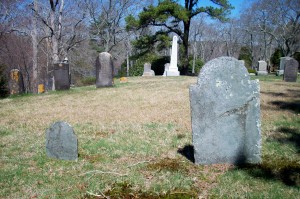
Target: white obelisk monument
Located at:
point(173, 69)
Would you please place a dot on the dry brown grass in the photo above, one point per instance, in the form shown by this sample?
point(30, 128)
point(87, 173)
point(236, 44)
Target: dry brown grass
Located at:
point(122, 131)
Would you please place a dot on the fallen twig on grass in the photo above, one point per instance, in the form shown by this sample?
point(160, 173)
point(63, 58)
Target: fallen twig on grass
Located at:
point(138, 163)
point(97, 195)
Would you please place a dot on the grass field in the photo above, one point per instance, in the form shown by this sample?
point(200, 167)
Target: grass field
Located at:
point(131, 140)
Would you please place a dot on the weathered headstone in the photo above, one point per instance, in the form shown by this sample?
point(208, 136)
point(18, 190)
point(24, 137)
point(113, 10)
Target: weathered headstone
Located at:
point(104, 70)
point(147, 70)
point(173, 69)
point(262, 68)
point(291, 70)
point(16, 84)
point(167, 66)
point(225, 110)
point(62, 76)
point(61, 142)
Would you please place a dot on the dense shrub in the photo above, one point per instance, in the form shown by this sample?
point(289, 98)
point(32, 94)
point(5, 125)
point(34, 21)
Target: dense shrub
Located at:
point(157, 64)
point(86, 81)
point(198, 65)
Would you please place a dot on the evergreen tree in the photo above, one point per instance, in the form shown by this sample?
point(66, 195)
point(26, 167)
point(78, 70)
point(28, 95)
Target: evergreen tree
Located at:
point(176, 18)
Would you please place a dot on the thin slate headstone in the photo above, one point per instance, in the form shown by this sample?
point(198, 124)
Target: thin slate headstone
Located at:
point(147, 70)
point(16, 83)
point(291, 70)
point(104, 70)
point(225, 110)
point(61, 142)
point(62, 76)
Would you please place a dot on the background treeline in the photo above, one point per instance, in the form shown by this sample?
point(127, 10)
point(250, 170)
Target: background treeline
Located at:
point(34, 34)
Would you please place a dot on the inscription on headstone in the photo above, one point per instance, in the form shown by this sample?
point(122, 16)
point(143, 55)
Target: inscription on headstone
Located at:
point(62, 76)
point(225, 110)
point(291, 70)
point(104, 70)
point(61, 142)
point(16, 84)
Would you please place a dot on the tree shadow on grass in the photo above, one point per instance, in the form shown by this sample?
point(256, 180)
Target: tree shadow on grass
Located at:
point(188, 152)
point(292, 106)
point(293, 137)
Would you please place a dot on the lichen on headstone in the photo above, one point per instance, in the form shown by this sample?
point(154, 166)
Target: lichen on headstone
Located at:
point(225, 110)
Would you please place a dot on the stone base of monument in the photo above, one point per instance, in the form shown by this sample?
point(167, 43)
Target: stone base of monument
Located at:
point(261, 73)
point(279, 72)
point(148, 74)
point(170, 73)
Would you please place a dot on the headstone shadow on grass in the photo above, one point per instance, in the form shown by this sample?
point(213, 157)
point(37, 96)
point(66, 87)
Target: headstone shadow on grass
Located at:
point(188, 152)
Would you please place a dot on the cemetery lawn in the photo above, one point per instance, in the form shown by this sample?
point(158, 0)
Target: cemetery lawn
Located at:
point(135, 142)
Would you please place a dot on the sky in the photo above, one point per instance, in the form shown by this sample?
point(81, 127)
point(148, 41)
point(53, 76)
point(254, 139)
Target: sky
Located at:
point(238, 5)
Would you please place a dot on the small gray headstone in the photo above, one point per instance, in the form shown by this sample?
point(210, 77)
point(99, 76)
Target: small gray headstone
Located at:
point(283, 61)
point(291, 70)
point(225, 111)
point(62, 76)
point(61, 142)
point(147, 70)
point(262, 68)
point(104, 70)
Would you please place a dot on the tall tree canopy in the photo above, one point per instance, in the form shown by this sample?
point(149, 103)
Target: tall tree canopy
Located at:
point(175, 17)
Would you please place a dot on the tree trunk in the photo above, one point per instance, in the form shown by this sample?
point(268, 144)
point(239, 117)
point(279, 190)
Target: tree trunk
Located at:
point(185, 42)
point(34, 82)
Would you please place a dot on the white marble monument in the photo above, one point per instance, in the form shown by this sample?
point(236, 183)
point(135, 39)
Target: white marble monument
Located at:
point(173, 69)
point(167, 66)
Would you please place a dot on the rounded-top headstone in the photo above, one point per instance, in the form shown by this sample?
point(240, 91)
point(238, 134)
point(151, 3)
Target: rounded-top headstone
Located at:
point(104, 70)
point(291, 70)
point(61, 142)
point(225, 114)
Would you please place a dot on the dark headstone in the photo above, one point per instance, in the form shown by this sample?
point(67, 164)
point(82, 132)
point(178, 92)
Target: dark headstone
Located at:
point(104, 70)
point(225, 111)
point(61, 76)
point(61, 142)
point(291, 70)
point(16, 83)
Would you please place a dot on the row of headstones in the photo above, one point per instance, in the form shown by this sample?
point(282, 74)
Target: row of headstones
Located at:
point(225, 111)
point(104, 72)
point(288, 68)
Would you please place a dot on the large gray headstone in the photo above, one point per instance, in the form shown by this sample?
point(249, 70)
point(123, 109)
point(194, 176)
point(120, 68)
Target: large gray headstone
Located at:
point(104, 70)
point(291, 70)
point(16, 83)
point(61, 142)
point(147, 70)
point(225, 109)
point(61, 76)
